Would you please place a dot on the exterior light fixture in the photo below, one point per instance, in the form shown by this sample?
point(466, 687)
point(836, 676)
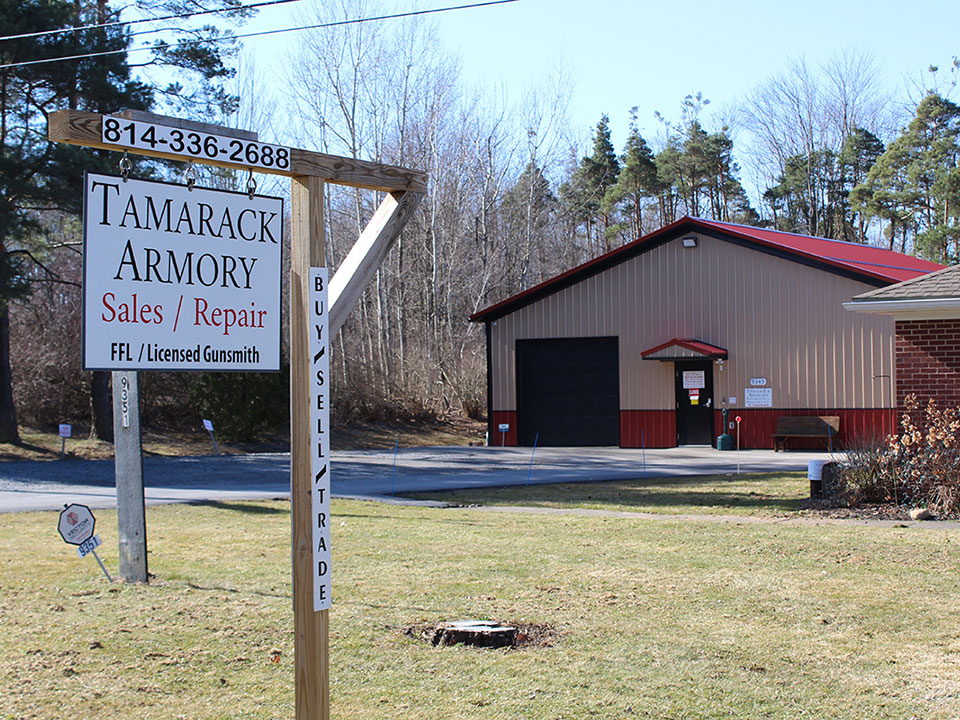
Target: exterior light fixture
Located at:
point(689, 242)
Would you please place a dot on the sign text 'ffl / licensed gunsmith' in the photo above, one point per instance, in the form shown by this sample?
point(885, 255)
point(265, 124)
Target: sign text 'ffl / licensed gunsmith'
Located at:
point(179, 279)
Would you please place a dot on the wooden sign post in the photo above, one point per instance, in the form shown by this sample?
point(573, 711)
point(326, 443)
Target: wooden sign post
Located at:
point(176, 139)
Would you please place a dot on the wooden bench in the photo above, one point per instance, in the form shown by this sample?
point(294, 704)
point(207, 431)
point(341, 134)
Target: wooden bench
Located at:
point(826, 427)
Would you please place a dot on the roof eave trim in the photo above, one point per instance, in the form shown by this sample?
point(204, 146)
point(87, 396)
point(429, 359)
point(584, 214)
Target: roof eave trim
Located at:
point(894, 306)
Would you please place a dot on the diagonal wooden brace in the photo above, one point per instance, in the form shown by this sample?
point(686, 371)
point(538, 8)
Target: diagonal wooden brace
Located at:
point(363, 260)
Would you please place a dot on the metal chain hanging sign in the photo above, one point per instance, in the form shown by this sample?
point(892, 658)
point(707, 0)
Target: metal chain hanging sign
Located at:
point(179, 278)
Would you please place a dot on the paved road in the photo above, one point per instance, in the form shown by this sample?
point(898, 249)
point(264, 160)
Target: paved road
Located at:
point(48, 485)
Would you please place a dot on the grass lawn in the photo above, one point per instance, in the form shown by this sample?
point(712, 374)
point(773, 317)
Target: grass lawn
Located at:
point(655, 618)
point(747, 494)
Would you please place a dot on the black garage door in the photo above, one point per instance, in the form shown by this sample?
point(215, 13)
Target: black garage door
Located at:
point(568, 391)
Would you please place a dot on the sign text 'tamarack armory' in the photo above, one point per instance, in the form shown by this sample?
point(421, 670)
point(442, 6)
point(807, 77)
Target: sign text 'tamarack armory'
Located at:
point(178, 278)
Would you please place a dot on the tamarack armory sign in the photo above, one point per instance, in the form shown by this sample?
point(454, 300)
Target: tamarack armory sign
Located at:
point(179, 279)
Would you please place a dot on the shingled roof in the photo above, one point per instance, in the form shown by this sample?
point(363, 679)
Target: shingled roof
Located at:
point(873, 265)
point(939, 285)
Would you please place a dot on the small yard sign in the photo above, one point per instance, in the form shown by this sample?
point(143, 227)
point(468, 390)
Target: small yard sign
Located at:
point(208, 426)
point(76, 525)
point(179, 279)
point(65, 432)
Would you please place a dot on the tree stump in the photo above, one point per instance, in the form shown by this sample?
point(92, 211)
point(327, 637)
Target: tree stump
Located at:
point(479, 633)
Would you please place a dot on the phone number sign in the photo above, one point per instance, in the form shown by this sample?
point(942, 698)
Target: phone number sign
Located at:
point(192, 143)
point(178, 279)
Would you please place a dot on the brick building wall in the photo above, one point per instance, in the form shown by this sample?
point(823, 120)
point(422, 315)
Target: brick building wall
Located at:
point(928, 361)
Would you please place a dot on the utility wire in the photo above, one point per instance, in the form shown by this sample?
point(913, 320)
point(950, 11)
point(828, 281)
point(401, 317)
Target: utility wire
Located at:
point(41, 33)
point(168, 46)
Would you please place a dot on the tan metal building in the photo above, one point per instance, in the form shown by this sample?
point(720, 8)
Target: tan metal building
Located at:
point(646, 345)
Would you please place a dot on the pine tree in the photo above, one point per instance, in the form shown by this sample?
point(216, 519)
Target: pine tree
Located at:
point(860, 152)
point(38, 177)
point(668, 180)
point(585, 195)
point(915, 184)
point(637, 180)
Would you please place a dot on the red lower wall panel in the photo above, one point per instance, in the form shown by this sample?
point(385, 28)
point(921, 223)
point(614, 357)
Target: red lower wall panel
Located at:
point(509, 437)
point(648, 428)
point(658, 428)
point(758, 425)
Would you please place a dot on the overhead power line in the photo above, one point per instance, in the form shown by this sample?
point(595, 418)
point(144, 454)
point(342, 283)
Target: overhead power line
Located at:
point(168, 46)
point(97, 26)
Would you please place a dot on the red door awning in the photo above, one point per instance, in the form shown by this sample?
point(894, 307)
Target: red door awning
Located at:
point(683, 349)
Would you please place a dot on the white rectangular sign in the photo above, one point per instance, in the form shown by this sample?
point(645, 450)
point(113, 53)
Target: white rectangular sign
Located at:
point(693, 379)
point(757, 397)
point(179, 279)
point(319, 328)
point(65, 430)
point(192, 143)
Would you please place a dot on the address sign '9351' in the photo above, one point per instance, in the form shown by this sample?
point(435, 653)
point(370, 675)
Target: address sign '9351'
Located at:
point(192, 143)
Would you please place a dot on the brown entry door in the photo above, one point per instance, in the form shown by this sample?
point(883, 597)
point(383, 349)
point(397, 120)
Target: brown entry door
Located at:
point(694, 385)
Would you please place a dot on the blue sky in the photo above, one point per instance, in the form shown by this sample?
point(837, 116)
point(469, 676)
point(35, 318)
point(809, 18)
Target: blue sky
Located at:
point(651, 54)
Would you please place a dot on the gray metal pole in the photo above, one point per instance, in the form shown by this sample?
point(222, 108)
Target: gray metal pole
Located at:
point(128, 466)
point(102, 566)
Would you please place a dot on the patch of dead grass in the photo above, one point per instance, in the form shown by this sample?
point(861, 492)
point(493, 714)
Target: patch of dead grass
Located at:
point(40, 445)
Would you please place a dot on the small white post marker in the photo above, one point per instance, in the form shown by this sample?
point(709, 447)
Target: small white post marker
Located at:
point(208, 426)
point(738, 443)
point(65, 432)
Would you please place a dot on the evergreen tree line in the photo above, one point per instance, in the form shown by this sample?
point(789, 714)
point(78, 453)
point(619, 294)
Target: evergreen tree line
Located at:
point(515, 196)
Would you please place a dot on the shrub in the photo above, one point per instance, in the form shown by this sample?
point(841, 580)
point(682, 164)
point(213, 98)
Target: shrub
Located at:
point(866, 475)
point(918, 467)
point(926, 457)
point(242, 405)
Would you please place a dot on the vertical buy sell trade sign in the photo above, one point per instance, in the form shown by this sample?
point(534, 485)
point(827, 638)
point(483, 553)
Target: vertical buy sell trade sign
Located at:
point(319, 327)
point(176, 278)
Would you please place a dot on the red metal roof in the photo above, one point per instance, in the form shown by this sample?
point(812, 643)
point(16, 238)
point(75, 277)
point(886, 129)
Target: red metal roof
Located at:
point(705, 349)
point(879, 262)
point(873, 264)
